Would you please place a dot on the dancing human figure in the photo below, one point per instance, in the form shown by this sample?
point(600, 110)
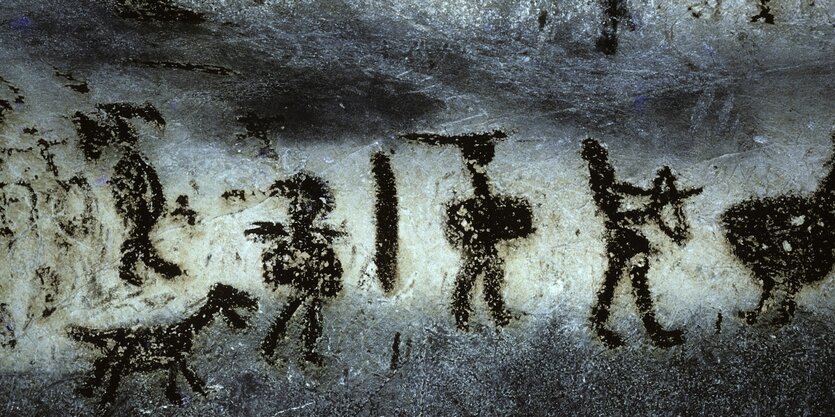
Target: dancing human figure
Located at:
point(135, 184)
point(477, 225)
point(627, 247)
point(302, 257)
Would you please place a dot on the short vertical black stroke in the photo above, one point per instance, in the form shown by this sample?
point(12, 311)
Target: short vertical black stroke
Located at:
point(478, 224)
point(386, 219)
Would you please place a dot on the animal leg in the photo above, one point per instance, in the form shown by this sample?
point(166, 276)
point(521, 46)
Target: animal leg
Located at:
point(493, 279)
point(194, 381)
point(600, 311)
point(643, 298)
point(464, 282)
point(112, 386)
point(171, 387)
point(312, 332)
point(768, 287)
point(100, 367)
point(279, 327)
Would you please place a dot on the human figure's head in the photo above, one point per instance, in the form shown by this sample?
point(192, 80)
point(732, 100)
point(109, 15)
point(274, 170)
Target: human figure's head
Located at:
point(111, 126)
point(602, 175)
point(310, 196)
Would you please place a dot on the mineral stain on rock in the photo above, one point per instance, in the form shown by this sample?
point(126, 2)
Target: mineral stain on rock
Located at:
point(75, 84)
point(158, 10)
point(184, 66)
point(786, 241)
point(138, 349)
point(764, 15)
point(477, 225)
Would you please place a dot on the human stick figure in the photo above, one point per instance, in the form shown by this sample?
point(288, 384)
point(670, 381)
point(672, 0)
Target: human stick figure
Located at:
point(478, 224)
point(135, 184)
point(627, 248)
point(302, 257)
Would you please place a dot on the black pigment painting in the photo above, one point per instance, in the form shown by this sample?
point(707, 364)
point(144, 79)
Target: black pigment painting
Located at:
point(386, 208)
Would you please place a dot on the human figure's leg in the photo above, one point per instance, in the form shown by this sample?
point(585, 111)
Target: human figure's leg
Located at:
point(643, 300)
point(493, 280)
point(312, 331)
point(605, 295)
point(100, 368)
point(768, 286)
point(462, 293)
point(113, 383)
point(279, 327)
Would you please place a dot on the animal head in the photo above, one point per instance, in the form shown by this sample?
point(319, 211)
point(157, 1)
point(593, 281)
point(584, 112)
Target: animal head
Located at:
point(224, 299)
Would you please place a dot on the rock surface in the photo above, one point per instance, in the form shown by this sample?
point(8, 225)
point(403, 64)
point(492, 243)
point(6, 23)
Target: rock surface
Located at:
point(440, 208)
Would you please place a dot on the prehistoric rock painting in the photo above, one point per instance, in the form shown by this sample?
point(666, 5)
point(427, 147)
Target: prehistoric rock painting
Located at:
point(6, 100)
point(477, 225)
point(146, 349)
point(135, 184)
point(614, 13)
point(627, 247)
point(786, 241)
point(7, 328)
point(385, 219)
point(160, 10)
point(764, 15)
point(16, 198)
point(184, 211)
point(302, 257)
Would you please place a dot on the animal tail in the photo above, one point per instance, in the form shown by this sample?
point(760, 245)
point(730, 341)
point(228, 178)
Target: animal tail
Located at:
point(86, 335)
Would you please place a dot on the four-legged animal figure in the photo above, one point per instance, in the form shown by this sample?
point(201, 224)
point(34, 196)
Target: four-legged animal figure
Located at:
point(145, 349)
point(787, 241)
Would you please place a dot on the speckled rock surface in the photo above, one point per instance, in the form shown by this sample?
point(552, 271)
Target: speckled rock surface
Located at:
point(417, 208)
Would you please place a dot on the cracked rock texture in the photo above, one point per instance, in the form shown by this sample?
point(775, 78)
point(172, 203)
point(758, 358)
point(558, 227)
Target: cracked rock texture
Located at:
point(154, 148)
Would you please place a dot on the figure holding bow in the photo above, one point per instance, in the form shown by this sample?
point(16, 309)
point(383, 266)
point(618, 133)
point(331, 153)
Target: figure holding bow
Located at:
point(627, 247)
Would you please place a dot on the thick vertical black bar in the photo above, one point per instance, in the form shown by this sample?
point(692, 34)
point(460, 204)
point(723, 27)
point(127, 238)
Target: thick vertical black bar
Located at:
point(386, 219)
